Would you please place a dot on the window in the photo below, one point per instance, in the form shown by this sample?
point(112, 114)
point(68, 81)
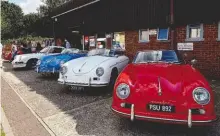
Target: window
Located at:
point(194, 32)
point(162, 34)
point(118, 41)
point(144, 35)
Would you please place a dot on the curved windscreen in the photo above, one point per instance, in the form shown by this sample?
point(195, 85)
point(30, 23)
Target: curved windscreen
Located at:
point(70, 51)
point(45, 50)
point(106, 52)
point(156, 56)
point(96, 52)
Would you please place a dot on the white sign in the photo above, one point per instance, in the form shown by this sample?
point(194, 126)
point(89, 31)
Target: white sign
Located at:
point(152, 32)
point(92, 41)
point(185, 46)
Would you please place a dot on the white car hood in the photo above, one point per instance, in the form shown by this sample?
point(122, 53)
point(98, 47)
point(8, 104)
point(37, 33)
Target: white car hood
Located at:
point(86, 64)
point(33, 55)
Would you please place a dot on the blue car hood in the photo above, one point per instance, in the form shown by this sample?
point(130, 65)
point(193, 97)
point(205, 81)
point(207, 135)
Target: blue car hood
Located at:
point(54, 60)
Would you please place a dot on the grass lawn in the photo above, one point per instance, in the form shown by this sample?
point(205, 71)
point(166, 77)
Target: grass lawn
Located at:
point(2, 133)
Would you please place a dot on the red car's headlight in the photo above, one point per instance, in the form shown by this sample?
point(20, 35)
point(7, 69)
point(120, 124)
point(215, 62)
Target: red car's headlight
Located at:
point(123, 91)
point(201, 95)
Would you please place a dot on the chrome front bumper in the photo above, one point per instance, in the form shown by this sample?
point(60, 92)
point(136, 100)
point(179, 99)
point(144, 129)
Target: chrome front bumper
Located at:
point(18, 64)
point(89, 84)
point(190, 122)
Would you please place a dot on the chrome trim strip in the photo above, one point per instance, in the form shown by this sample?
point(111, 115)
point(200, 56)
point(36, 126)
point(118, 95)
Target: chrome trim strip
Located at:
point(154, 118)
point(159, 87)
point(78, 84)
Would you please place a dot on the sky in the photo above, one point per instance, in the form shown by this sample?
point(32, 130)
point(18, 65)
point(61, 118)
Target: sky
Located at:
point(28, 6)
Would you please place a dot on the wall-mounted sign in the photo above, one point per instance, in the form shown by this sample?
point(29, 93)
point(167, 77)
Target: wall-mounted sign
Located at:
point(185, 46)
point(86, 38)
point(152, 31)
point(108, 35)
point(92, 41)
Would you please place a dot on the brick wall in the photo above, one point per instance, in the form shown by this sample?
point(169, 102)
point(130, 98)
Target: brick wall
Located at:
point(207, 52)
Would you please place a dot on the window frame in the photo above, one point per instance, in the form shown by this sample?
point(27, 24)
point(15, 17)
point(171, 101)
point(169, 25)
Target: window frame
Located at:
point(201, 38)
point(168, 30)
point(143, 41)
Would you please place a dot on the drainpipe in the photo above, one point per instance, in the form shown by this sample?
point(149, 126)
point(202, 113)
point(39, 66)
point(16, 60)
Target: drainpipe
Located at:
point(173, 46)
point(83, 42)
point(54, 35)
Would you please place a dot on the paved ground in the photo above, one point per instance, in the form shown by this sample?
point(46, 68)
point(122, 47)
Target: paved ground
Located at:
point(19, 115)
point(69, 113)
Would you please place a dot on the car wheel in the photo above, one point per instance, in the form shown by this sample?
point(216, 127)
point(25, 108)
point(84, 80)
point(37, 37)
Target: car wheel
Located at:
point(114, 75)
point(31, 63)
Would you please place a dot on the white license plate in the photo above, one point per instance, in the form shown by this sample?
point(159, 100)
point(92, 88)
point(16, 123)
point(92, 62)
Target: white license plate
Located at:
point(79, 88)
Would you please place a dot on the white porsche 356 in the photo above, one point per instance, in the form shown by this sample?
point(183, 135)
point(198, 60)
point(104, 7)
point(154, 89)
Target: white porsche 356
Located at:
point(100, 68)
point(30, 60)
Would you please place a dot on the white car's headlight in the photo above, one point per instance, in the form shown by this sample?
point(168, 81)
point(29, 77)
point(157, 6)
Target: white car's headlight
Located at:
point(99, 71)
point(201, 95)
point(18, 58)
point(63, 70)
point(38, 62)
point(123, 91)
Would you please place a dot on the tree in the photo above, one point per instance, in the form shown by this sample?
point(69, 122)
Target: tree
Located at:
point(11, 20)
point(49, 5)
point(29, 24)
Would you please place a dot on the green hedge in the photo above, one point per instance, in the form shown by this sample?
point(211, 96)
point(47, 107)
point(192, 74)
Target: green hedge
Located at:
point(25, 39)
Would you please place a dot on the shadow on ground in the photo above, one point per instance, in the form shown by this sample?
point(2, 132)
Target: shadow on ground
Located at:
point(98, 118)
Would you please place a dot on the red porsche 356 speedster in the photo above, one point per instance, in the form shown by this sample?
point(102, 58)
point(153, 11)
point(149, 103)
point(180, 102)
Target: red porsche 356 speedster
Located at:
point(158, 86)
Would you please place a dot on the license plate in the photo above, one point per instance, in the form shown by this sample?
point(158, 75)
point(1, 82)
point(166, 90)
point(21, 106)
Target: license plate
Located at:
point(161, 108)
point(78, 88)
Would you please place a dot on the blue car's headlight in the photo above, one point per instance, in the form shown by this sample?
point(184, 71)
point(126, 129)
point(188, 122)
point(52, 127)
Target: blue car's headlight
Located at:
point(38, 62)
point(62, 62)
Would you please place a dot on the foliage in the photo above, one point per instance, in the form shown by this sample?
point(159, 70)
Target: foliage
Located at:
point(15, 24)
point(29, 24)
point(49, 5)
point(11, 19)
point(25, 39)
point(2, 132)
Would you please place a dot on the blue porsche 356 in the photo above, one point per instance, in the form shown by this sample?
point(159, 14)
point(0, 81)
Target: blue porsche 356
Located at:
point(51, 64)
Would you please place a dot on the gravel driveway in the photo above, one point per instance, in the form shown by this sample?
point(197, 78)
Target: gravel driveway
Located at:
point(70, 113)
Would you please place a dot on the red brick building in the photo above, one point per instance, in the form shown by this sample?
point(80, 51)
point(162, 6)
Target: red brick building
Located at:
point(149, 24)
point(206, 50)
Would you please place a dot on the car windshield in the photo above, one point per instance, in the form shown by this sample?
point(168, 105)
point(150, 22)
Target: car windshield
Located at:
point(96, 52)
point(55, 50)
point(70, 51)
point(45, 50)
point(105, 52)
point(156, 56)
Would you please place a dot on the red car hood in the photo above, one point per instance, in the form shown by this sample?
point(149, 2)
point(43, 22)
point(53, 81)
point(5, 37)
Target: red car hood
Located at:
point(174, 80)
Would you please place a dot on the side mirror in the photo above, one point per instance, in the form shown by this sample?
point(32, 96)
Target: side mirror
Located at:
point(193, 62)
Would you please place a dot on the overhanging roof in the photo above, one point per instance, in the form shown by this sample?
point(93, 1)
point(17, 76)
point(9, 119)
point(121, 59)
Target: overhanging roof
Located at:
point(119, 15)
point(71, 6)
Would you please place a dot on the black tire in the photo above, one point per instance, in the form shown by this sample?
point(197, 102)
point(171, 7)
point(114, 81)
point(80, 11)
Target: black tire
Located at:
point(114, 75)
point(31, 63)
